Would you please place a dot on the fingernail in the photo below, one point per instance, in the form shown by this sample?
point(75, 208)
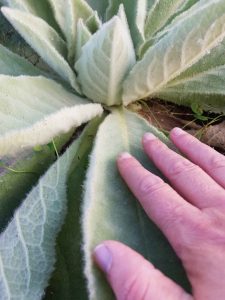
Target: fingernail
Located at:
point(148, 136)
point(124, 155)
point(103, 257)
point(177, 131)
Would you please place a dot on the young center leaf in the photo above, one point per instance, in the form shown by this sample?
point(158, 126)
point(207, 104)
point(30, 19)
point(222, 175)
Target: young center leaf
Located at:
point(83, 36)
point(27, 246)
point(136, 13)
point(187, 63)
point(105, 60)
point(110, 211)
point(44, 40)
point(67, 13)
point(36, 110)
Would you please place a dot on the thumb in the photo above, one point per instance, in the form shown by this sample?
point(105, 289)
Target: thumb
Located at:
point(134, 278)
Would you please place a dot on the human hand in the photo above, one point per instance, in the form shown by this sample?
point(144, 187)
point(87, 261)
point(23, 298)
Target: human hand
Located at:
point(191, 216)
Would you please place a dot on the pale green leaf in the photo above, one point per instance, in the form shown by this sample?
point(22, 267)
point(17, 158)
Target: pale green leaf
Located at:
point(36, 110)
point(15, 65)
point(68, 280)
point(83, 36)
point(44, 40)
point(159, 15)
point(105, 60)
point(67, 13)
point(40, 8)
point(93, 22)
point(110, 211)
point(159, 18)
point(27, 246)
point(190, 54)
point(18, 174)
point(136, 13)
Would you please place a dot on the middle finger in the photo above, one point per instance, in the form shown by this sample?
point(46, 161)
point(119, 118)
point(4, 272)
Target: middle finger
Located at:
point(188, 179)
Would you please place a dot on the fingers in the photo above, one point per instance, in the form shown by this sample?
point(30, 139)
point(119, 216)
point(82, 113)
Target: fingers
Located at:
point(208, 159)
point(189, 180)
point(134, 278)
point(162, 204)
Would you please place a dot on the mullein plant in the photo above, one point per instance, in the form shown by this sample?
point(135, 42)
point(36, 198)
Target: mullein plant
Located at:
point(60, 193)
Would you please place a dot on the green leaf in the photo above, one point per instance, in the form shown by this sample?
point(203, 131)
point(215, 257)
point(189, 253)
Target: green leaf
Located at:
point(36, 110)
point(83, 36)
point(187, 64)
point(27, 246)
point(159, 18)
point(15, 65)
point(105, 60)
point(44, 40)
point(40, 8)
point(159, 15)
point(136, 13)
point(28, 166)
point(68, 280)
point(67, 14)
point(100, 6)
point(93, 22)
point(110, 211)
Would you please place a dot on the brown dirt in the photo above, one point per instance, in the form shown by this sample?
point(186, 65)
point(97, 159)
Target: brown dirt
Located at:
point(166, 116)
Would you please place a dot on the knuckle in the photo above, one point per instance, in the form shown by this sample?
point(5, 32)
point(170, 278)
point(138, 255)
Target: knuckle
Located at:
point(181, 166)
point(216, 163)
point(150, 184)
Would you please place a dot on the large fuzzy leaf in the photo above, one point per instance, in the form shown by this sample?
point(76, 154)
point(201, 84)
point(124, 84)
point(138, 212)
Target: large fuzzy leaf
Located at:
point(136, 13)
point(44, 40)
point(19, 174)
point(27, 253)
point(68, 280)
point(187, 59)
point(110, 210)
point(15, 65)
point(160, 13)
point(105, 60)
point(36, 110)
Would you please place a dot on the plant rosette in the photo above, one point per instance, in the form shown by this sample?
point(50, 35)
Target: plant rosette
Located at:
point(101, 56)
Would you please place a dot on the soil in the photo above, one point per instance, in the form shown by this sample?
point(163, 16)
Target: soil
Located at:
point(208, 127)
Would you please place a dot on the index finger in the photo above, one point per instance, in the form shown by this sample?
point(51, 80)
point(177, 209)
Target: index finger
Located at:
point(167, 209)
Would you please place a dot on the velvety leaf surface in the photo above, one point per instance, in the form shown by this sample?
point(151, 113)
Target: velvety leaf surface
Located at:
point(40, 8)
point(27, 253)
point(68, 280)
point(105, 60)
point(111, 212)
point(18, 175)
point(187, 64)
point(83, 36)
point(161, 12)
point(136, 13)
point(67, 14)
point(14, 65)
point(44, 40)
point(36, 110)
